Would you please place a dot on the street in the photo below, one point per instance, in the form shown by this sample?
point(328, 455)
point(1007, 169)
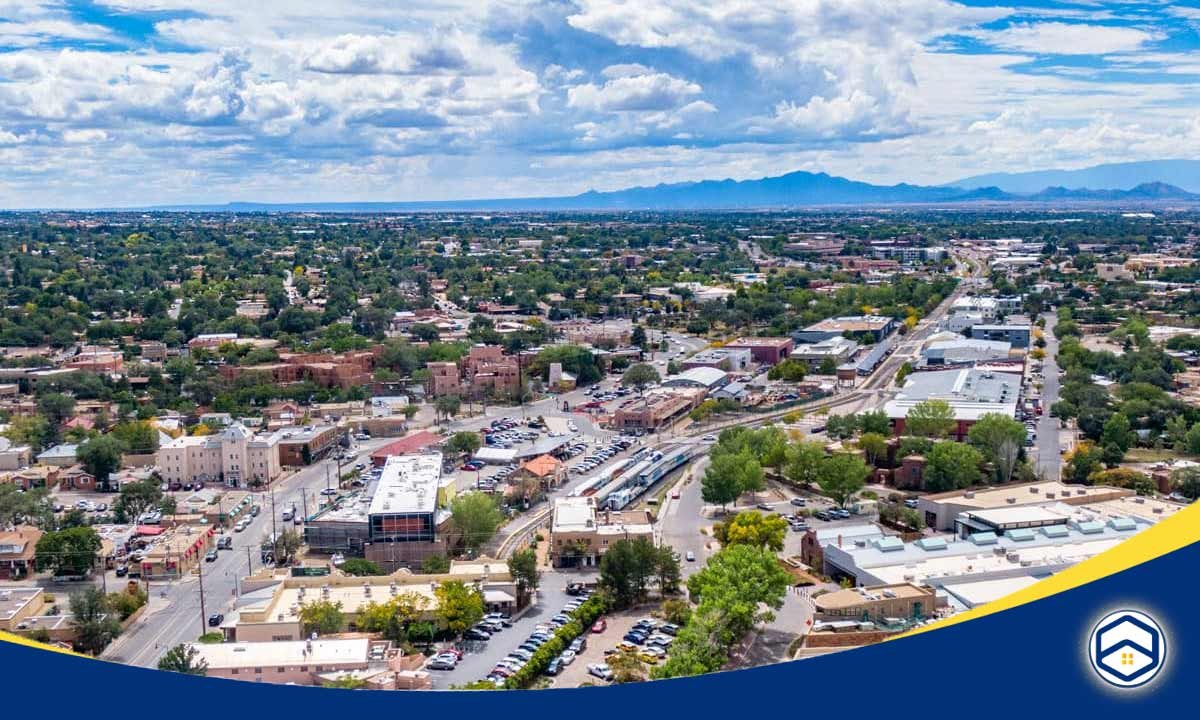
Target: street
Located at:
point(1049, 458)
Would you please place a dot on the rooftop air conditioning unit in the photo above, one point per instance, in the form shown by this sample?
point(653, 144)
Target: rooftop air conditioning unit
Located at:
point(1034, 490)
point(1011, 500)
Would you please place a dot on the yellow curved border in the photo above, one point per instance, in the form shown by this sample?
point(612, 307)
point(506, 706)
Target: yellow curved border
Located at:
point(1170, 534)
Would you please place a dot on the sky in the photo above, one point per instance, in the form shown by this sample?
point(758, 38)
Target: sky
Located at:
point(110, 103)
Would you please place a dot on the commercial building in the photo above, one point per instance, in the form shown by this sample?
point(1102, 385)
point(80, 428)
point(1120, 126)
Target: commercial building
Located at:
point(399, 519)
point(580, 533)
point(294, 662)
point(941, 510)
point(765, 350)
point(987, 307)
point(233, 456)
point(869, 327)
point(443, 379)
point(814, 540)
point(654, 410)
point(1016, 335)
point(277, 617)
point(176, 552)
point(964, 350)
point(13, 457)
point(300, 446)
point(722, 358)
point(838, 349)
point(971, 394)
point(883, 604)
point(706, 378)
point(939, 562)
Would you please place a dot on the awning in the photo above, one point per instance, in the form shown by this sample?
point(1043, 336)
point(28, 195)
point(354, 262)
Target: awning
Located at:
point(498, 597)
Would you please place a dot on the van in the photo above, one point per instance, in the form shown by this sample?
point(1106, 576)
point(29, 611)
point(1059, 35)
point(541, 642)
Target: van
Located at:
point(225, 542)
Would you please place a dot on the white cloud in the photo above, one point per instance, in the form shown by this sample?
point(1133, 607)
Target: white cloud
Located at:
point(648, 91)
point(1056, 38)
point(87, 136)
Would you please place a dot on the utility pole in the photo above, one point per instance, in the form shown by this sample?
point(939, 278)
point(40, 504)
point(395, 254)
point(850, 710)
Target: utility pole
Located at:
point(304, 501)
point(249, 562)
point(274, 530)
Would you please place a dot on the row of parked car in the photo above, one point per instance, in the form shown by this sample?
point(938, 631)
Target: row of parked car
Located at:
point(599, 457)
point(649, 640)
point(542, 633)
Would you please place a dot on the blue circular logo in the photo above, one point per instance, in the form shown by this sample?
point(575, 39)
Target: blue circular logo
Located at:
point(1127, 648)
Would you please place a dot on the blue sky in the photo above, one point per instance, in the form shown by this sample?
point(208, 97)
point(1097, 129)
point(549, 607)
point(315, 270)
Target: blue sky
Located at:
point(133, 102)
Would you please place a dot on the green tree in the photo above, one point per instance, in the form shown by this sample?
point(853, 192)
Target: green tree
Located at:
point(952, 465)
point(803, 462)
point(185, 659)
point(875, 421)
point(729, 475)
point(360, 567)
point(476, 518)
point(999, 438)
point(68, 552)
point(1084, 461)
point(31, 506)
point(136, 498)
point(393, 617)
point(435, 565)
point(57, 408)
point(101, 457)
point(463, 443)
point(140, 437)
point(459, 606)
point(524, 570)
point(667, 570)
point(640, 376)
point(96, 625)
point(752, 528)
point(1118, 433)
point(447, 406)
point(627, 569)
point(739, 580)
point(841, 476)
point(930, 418)
point(1186, 482)
point(874, 446)
point(323, 617)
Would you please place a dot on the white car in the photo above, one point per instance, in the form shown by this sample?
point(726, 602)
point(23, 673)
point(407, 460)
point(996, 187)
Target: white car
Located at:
point(567, 657)
point(600, 670)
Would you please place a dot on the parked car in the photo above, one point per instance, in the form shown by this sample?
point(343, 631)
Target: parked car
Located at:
point(690, 556)
point(210, 556)
point(600, 626)
point(799, 501)
point(600, 670)
point(440, 663)
point(215, 619)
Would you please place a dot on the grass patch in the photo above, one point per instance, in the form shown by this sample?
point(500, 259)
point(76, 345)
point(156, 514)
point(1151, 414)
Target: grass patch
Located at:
point(1151, 455)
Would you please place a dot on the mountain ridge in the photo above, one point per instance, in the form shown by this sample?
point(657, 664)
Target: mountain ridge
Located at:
point(795, 189)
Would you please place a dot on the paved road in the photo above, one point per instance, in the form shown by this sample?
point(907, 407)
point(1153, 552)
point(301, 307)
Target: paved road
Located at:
point(174, 613)
point(1049, 459)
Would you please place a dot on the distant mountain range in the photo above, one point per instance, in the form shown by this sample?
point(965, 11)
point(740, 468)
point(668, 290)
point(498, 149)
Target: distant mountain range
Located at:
point(795, 189)
point(1184, 174)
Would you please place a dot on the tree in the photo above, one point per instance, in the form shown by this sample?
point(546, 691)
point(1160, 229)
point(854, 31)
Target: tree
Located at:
point(1118, 433)
point(803, 462)
point(185, 659)
point(952, 465)
point(667, 570)
point(463, 443)
point(140, 438)
point(287, 545)
point(1125, 478)
point(676, 611)
point(360, 567)
point(930, 418)
point(447, 406)
point(638, 337)
point(1083, 462)
point(626, 667)
point(136, 498)
point(627, 569)
point(875, 421)
point(476, 518)
point(57, 408)
point(95, 623)
point(524, 570)
point(1186, 482)
point(738, 580)
point(729, 475)
point(323, 617)
point(841, 475)
point(459, 606)
point(30, 506)
point(874, 446)
point(435, 565)
point(752, 528)
point(639, 376)
point(393, 617)
point(68, 552)
point(999, 438)
point(101, 457)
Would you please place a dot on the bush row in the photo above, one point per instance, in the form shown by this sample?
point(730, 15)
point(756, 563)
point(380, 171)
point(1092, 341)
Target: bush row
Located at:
point(582, 619)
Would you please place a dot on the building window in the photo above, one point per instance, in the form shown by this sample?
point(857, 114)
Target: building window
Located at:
point(258, 671)
point(281, 670)
point(233, 671)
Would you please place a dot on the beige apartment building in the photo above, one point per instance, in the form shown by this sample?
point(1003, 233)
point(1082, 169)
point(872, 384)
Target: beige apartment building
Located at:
point(580, 533)
point(234, 456)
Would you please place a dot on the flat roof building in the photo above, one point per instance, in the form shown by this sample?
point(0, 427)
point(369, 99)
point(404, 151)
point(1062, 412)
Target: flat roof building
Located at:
point(971, 394)
point(1016, 335)
point(876, 327)
point(708, 378)
point(765, 350)
point(941, 510)
point(580, 533)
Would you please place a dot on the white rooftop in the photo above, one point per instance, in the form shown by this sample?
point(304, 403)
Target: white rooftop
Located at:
point(408, 484)
point(284, 653)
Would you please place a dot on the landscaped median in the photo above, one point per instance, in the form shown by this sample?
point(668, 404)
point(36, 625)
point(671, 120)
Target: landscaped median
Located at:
point(583, 617)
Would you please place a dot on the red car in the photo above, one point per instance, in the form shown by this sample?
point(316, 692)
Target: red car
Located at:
point(600, 626)
point(675, 495)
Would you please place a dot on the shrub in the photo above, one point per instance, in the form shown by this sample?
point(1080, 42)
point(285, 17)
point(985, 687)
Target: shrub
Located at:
point(584, 616)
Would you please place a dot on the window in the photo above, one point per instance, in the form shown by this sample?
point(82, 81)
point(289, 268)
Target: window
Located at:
point(258, 671)
point(233, 671)
point(281, 670)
